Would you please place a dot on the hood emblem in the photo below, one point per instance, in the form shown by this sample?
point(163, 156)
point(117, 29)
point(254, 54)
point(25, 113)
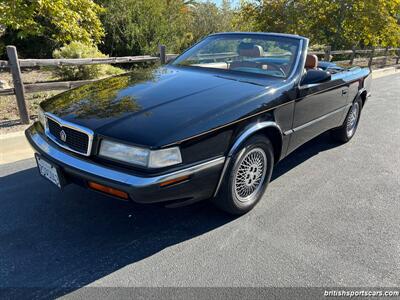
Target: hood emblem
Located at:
point(63, 135)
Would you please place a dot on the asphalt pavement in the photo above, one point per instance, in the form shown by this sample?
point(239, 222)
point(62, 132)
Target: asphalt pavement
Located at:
point(330, 217)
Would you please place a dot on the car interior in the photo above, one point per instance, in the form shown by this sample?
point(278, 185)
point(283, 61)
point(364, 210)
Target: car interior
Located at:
point(311, 62)
point(252, 58)
point(312, 73)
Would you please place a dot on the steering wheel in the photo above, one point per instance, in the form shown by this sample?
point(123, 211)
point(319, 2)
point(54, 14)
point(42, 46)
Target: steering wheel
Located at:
point(259, 65)
point(276, 68)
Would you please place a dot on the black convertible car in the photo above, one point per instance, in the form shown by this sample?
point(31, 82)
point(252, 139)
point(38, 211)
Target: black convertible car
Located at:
point(211, 124)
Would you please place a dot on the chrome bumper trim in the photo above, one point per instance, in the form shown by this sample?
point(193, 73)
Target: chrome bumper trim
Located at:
point(106, 173)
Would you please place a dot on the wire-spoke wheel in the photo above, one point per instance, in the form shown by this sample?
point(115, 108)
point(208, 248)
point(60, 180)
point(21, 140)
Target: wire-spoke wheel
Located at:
point(247, 176)
point(352, 119)
point(250, 174)
point(347, 130)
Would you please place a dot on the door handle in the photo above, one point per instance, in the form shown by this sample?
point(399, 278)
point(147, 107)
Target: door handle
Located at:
point(344, 92)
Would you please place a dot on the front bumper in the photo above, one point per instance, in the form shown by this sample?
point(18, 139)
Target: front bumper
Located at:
point(202, 182)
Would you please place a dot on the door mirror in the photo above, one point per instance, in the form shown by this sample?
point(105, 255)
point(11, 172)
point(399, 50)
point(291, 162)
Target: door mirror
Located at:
point(315, 76)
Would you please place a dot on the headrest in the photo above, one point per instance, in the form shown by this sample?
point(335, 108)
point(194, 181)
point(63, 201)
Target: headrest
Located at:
point(311, 61)
point(250, 50)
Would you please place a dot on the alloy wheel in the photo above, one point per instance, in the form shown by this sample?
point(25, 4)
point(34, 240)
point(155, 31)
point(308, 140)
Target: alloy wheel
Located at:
point(250, 174)
point(352, 119)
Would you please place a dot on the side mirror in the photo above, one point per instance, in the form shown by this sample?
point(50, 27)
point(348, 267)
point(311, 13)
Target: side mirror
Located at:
point(315, 76)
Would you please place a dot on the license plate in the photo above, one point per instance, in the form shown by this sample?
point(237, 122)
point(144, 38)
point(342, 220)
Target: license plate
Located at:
point(49, 171)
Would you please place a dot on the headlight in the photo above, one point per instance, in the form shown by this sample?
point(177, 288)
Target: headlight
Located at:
point(165, 157)
point(124, 152)
point(41, 117)
point(140, 156)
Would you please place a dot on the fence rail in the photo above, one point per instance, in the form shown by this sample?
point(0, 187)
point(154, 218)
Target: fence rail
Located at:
point(14, 64)
point(328, 53)
point(47, 86)
point(26, 63)
point(360, 51)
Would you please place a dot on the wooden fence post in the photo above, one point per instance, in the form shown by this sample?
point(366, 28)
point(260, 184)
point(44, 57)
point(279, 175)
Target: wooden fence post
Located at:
point(327, 56)
point(18, 84)
point(163, 56)
point(386, 56)
point(353, 55)
point(398, 56)
point(371, 57)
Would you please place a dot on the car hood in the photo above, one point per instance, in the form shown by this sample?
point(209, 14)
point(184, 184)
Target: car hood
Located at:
point(158, 106)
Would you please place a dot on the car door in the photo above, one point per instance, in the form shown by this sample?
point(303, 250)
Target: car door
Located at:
point(318, 108)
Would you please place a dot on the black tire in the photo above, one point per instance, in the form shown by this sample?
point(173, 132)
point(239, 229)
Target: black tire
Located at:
point(343, 134)
point(230, 198)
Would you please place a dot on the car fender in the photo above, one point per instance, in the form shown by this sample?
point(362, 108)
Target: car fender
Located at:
point(360, 92)
point(251, 130)
point(242, 137)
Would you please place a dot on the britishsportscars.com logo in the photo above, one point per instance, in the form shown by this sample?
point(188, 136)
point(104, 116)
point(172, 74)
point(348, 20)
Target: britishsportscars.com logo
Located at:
point(361, 293)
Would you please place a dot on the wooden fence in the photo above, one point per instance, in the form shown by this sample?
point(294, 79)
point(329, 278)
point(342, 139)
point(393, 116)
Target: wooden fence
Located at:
point(328, 55)
point(14, 64)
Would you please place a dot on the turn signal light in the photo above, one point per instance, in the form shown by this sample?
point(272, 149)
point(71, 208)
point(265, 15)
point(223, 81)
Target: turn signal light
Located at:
point(174, 181)
point(107, 190)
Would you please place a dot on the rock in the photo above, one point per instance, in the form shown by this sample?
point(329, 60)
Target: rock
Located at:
point(4, 85)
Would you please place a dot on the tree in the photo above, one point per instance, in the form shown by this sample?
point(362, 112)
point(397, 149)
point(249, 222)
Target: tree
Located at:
point(139, 26)
point(373, 23)
point(60, 20)
point(339, 23)
point(207, 18)
point(147, 23)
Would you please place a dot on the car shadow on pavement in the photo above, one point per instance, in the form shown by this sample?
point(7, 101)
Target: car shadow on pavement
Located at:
point(317, 145)
point(52, 243)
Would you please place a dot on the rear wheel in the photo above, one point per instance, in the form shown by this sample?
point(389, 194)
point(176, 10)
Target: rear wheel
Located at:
point(345, 132)
point(247, 176)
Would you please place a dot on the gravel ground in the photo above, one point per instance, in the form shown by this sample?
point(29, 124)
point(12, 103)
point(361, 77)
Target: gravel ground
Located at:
point(9, 116)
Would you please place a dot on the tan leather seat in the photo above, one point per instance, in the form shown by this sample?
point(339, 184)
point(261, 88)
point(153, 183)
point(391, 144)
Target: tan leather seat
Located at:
point(250, 50)
point(247, 50)
point(311, 61)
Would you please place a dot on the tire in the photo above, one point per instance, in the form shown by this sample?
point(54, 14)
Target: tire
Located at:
point(244, 184)
point(344, 133)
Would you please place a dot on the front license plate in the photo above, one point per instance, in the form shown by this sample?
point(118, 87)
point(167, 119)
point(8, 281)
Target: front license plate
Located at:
point(49, 171)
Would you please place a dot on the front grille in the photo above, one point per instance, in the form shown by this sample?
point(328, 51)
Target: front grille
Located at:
point(74, 139)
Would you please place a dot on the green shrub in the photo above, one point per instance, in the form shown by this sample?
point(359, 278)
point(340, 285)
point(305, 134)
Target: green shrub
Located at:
point(80, 50)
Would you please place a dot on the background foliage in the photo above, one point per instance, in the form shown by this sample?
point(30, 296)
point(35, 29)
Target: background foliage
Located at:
point(134, 27)
point(339, 23)
point(139, 26)
point(80, 50)
point(47, 24)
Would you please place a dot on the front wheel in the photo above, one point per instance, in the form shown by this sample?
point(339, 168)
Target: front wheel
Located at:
point(344, 133)
point(247, 176)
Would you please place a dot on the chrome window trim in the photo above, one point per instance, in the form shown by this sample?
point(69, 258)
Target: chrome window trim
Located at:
point(299, 55)
point(123, 178)
point(73, 126)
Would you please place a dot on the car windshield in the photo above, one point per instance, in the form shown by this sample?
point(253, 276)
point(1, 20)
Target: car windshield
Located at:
point(270, 55)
